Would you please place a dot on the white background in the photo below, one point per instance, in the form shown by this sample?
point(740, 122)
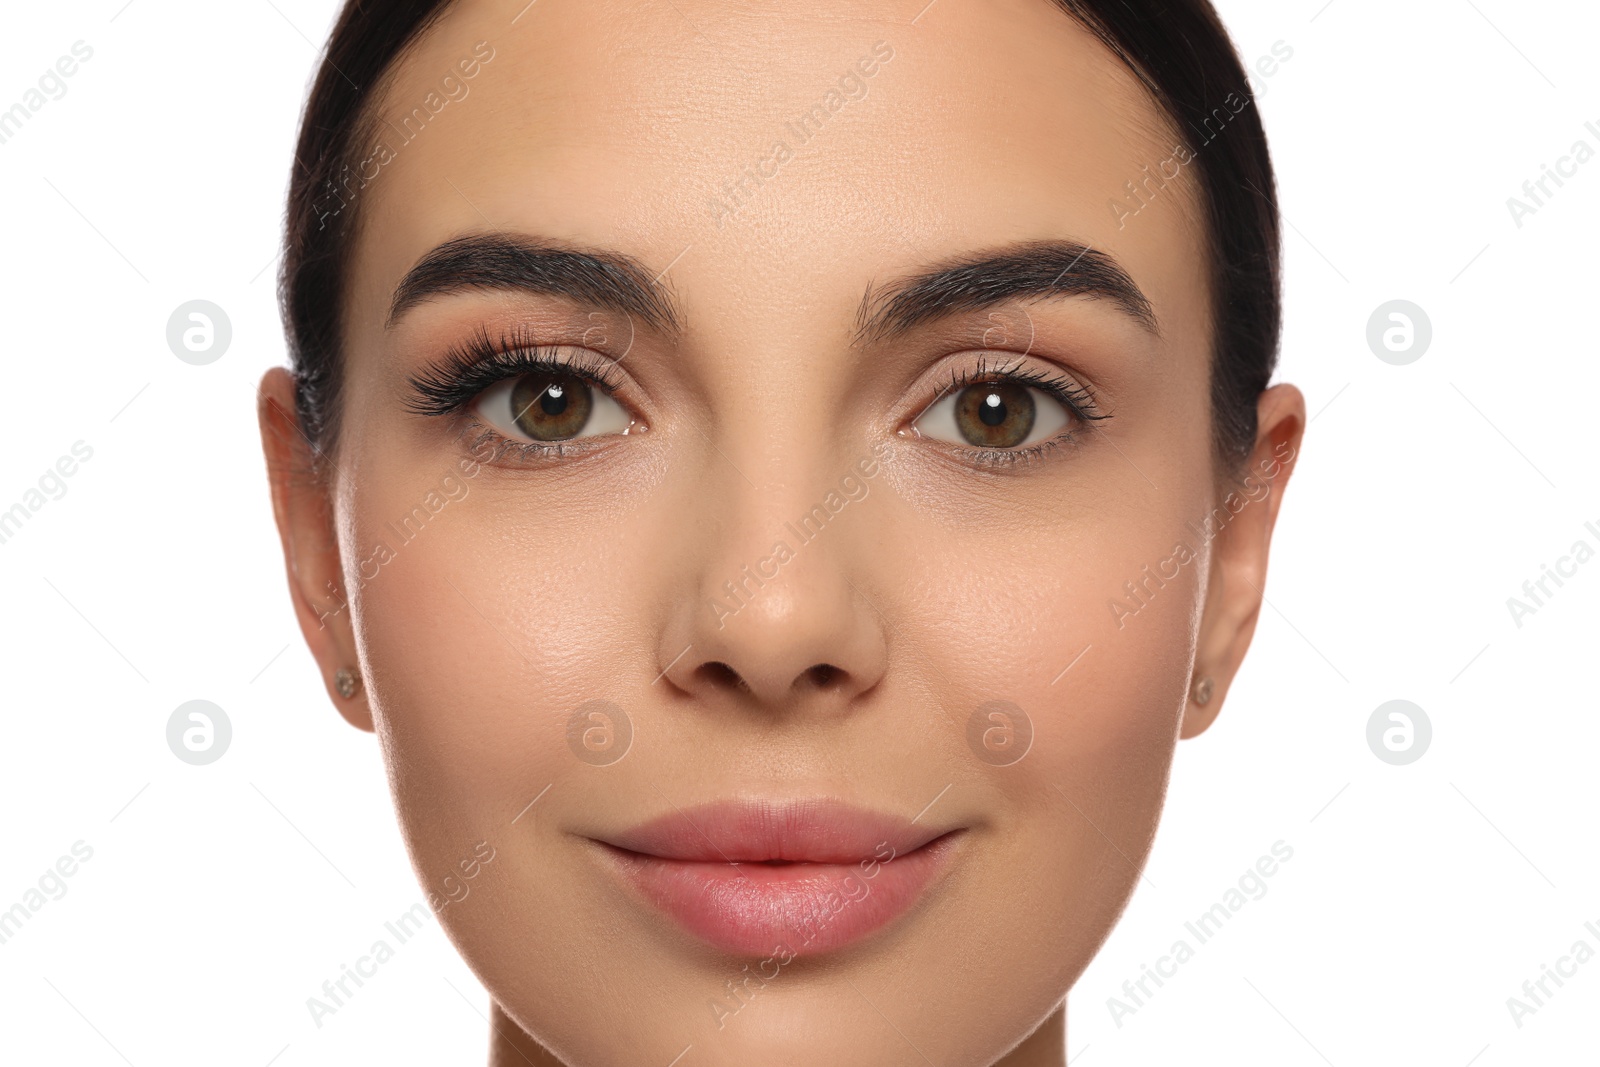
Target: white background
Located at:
point(1418, 899)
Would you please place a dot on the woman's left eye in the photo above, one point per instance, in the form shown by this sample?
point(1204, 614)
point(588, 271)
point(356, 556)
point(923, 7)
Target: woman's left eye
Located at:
point(548, 407)
point(998, 414)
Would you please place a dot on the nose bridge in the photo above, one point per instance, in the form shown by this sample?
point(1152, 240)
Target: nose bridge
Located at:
point(777, 611)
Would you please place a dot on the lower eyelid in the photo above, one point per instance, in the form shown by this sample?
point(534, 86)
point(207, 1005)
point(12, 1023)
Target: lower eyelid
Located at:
point(996, 457)
point(489, 446)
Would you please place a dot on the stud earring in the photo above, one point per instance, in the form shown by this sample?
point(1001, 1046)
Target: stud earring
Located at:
point(346, 682)
point(1202, 692)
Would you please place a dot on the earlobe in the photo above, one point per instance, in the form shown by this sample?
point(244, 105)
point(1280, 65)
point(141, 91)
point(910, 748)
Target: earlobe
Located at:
point(304, 514)
point(1237, 577)
point(1205, 700)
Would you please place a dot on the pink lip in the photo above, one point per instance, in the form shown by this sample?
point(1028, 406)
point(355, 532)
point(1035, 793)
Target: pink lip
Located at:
point(759, 878)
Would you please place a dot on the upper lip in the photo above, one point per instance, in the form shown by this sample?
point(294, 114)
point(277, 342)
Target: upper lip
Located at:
point(823, 830)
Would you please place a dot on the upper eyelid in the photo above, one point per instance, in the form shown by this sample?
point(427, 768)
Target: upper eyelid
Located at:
point(468, 370)
point(1014, 367)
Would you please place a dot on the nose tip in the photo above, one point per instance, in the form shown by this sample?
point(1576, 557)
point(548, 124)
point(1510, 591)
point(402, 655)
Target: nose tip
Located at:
point(806, 638)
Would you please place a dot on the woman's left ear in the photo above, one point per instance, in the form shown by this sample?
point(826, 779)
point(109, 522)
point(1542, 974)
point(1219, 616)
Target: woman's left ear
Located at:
point(1237, 575)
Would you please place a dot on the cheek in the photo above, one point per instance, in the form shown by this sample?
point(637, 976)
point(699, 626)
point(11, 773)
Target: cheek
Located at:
point(1088, 798)
point(483, 633)
point(1102, 701)
point(1031, 629)
point(1104, 677)
point(1077, 811)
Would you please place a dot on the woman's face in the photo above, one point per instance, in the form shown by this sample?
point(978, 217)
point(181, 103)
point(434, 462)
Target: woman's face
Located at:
point(835, 570)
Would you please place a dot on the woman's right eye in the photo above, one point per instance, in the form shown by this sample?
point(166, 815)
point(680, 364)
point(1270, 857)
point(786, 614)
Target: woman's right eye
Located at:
point(551, 406)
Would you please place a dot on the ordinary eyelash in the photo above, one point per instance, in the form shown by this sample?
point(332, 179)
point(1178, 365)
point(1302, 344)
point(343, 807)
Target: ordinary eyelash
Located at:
point(1076, 398)
point(469, 369)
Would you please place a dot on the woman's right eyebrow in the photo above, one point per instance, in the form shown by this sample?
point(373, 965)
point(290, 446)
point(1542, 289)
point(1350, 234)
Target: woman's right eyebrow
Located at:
point(507, 261)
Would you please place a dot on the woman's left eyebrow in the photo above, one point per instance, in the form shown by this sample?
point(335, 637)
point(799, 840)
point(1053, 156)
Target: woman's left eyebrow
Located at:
point(508, 261)
point(997, 276)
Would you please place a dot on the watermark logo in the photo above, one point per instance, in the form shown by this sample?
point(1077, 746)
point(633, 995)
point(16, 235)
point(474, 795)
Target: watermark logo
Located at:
point(199, 732)
point(999, 733)
point(1399, 332)
point(599, 733)
point(199, 332)
point(1399, 732)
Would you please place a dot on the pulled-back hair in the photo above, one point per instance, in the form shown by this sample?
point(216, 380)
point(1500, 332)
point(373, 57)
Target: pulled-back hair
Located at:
point(1177, 48)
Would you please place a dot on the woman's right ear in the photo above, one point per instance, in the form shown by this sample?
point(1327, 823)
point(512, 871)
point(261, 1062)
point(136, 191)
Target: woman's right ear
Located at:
point(303, 506)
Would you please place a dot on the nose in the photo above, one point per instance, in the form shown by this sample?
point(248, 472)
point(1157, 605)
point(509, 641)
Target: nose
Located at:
point(778, 612)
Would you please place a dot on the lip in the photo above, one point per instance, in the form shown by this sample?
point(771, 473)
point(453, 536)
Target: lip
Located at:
point(795, 878)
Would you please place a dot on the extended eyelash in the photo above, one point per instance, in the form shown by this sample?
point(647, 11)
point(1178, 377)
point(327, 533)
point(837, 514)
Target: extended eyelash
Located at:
point(481, 362)
point(470, 368)
point(1078, 399)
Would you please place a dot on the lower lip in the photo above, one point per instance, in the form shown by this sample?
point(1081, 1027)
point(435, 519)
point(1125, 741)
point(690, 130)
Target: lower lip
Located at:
point(796, 909)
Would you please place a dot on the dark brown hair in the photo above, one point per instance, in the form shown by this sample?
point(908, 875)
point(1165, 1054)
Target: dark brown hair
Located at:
point(1177, 48)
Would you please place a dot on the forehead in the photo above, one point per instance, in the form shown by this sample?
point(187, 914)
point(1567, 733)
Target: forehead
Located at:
point(777, 162)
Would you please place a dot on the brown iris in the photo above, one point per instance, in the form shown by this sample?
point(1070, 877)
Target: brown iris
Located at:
point(551, 407)
point(995, 414)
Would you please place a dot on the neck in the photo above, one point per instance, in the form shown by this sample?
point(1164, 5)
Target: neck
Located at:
point(509, 1046)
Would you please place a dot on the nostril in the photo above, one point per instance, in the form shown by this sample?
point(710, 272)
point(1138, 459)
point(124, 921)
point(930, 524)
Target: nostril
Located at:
point(825, 675)
point(822, 676)
point(720, 674)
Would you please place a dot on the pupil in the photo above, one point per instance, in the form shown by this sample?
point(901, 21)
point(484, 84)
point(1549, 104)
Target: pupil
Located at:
point(993, 412)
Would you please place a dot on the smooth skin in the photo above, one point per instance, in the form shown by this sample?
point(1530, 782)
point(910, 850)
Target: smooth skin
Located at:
point(949, 584)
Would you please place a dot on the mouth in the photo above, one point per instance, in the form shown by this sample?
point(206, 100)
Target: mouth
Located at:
point(783, 879)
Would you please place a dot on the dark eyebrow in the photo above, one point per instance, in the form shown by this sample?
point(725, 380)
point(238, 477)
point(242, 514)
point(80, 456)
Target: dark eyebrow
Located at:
point(593, 277)
point(985, 279)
